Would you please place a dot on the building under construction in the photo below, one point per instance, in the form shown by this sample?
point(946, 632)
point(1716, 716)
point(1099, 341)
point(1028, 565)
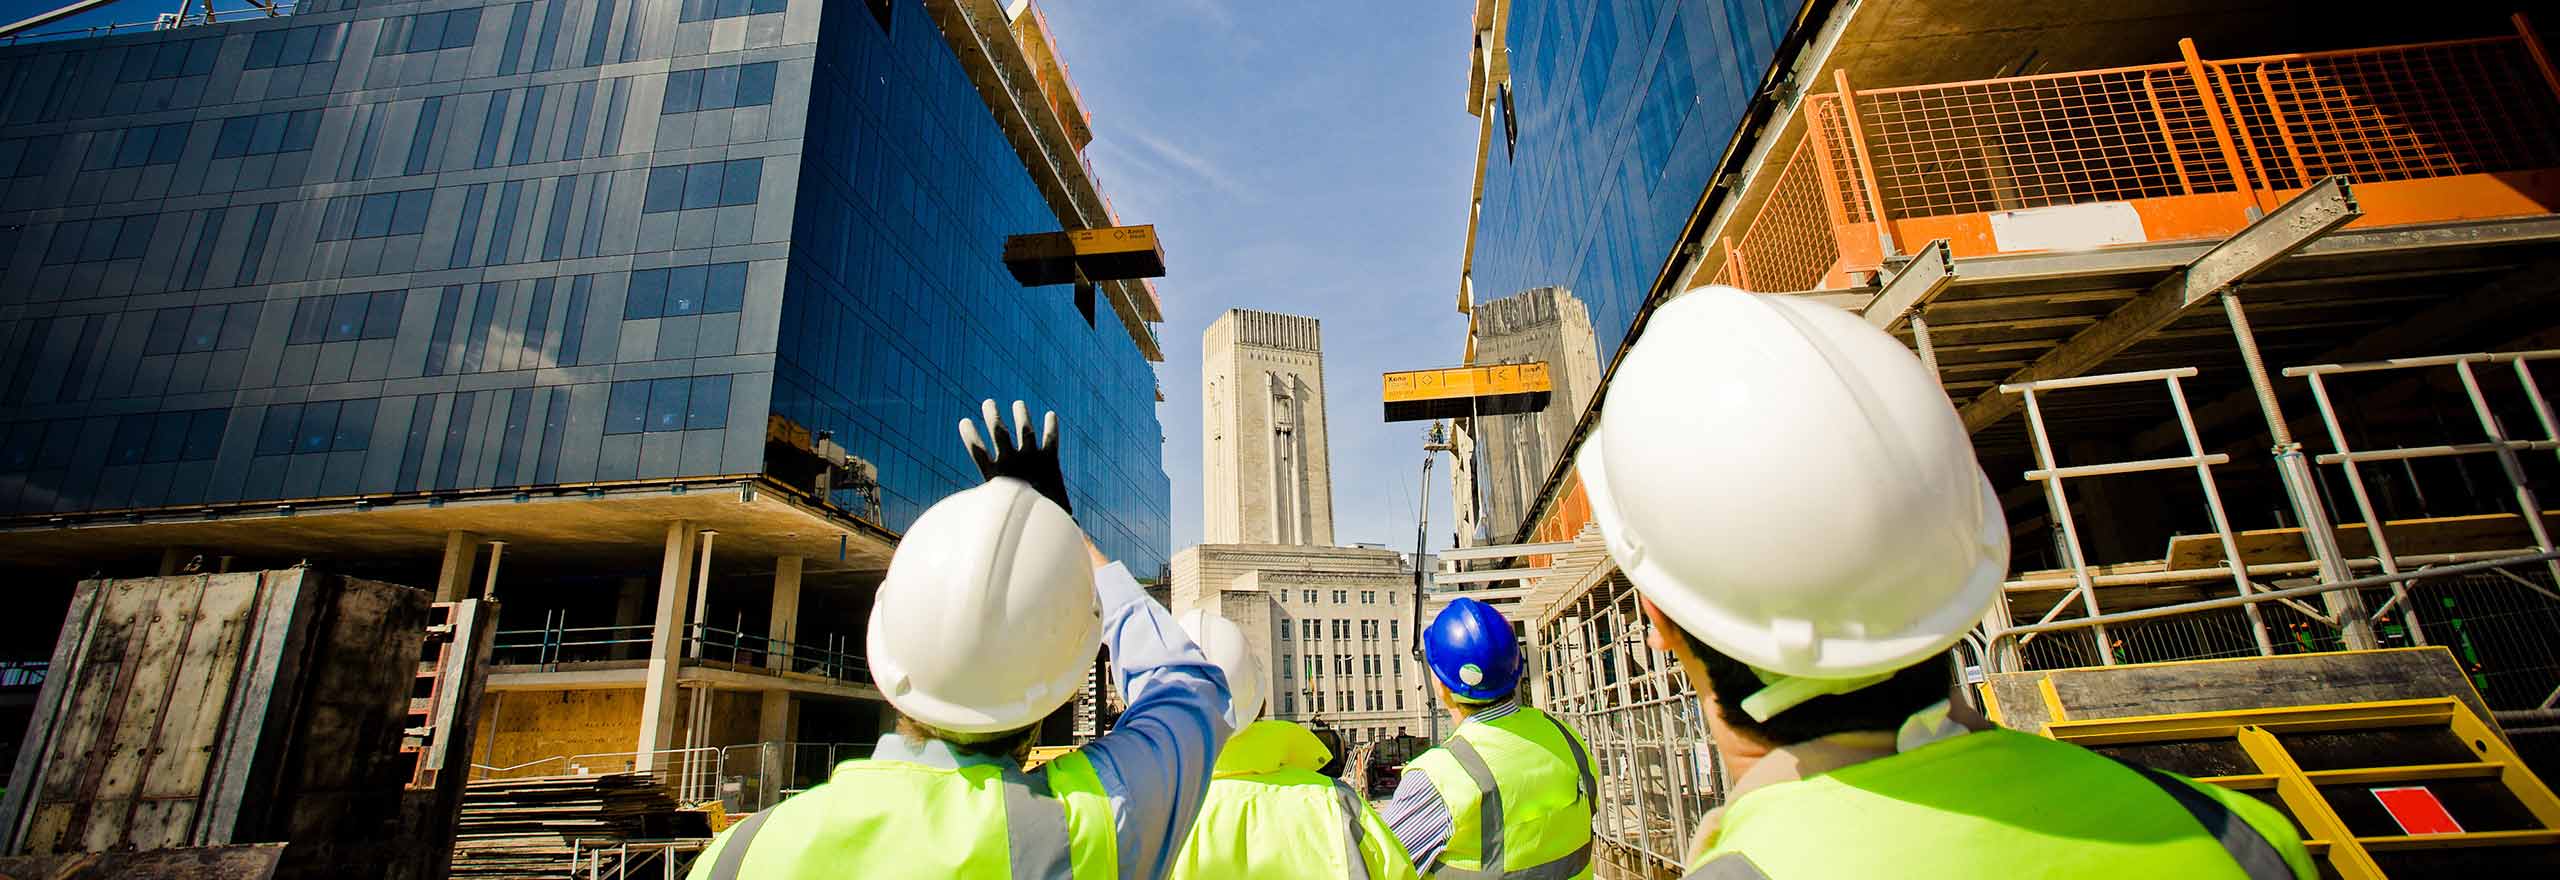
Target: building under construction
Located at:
point(648, 319)
point(2246, 306)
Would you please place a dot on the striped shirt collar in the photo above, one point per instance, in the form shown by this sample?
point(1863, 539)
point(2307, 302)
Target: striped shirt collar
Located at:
point(1495, 710)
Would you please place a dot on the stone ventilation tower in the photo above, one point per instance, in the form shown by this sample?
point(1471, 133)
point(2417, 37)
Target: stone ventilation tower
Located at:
point(1269, 476)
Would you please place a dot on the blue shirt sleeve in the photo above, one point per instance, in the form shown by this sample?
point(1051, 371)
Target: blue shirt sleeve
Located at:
point(1155, 763)
point(1418, 819)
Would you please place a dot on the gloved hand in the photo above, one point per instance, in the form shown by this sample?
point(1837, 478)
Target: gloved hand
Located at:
point(1016, 455)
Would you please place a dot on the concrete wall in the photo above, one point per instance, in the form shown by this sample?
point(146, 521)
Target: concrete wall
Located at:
point(517, 727)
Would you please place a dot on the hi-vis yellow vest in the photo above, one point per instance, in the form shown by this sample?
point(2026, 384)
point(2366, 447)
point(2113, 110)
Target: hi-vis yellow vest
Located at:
point(898, 819)
point(1520, 791)
point(1270, 816)
point(1993, 804)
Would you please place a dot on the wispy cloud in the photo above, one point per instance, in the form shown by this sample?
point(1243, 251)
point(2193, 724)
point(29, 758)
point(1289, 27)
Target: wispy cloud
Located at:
point(1192, 163)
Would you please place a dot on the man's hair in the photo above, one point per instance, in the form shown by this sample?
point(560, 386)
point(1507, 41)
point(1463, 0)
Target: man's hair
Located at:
point(1001, 743)
point(1880, 706)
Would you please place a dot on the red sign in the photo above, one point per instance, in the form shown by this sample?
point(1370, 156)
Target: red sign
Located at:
point(2417, 810)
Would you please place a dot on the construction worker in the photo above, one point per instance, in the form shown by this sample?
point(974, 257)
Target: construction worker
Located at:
point(1800, 511)
point(1270, 815)
point(1510, 792)
point(986, 622)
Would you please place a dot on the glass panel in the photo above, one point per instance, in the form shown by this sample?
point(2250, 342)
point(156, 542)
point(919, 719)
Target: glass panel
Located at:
point(355, 425)
point(464, 26)
point(685, 289)
point(346, 318)
point(719, 88)
point(666, 404)
point(301, 128)
point(373, 216)
point(739, 185)
point(275, 436)
point(666, 190)
point(135, 147)
point(382, 314)
point(269, 135)
point(684, 90)
point(409, 215)
point(168, 437)
point(426, 32)
point(726, 288)
point(233, 139)
point(133, 433)
point(760, 7)
point(168, 143)
point(755, 84)
point(264, 49)
point(709, 405)
point(204, 328)
point(310, 320)
point(300, 46)
point(239, 326)
point(168, 332)
point(626, 411)
point(728, 8)
point(319, 426)
point(702, 185)
point(648, 295)
point(204, 434)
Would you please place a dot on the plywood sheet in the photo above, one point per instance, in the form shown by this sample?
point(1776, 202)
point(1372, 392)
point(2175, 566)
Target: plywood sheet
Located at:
point(2026, 701)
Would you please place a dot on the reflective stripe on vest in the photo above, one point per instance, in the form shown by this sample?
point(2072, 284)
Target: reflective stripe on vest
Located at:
point(1356, 866)
point(1489, 819)
point(1038, 844)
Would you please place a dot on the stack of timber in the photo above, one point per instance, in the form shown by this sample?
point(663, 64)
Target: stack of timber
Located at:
point(532, 827)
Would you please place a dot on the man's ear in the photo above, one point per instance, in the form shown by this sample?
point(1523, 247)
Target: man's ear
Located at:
point(1658, 635)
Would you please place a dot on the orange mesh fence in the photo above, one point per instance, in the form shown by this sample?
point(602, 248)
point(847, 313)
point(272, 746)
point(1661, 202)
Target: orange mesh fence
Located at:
point(1790, 245)
point(2396, 113)
point(2027, 142)
point(1829, 134)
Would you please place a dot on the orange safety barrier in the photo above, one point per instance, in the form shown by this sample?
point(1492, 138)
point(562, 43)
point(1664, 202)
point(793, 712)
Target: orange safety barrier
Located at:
point(2429, 132)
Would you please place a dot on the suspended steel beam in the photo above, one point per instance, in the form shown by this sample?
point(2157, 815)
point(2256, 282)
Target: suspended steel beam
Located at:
point(1459, 392)
point(1505, 551)
point(2325, 206)
point(1453, 578)
point(1911, 289)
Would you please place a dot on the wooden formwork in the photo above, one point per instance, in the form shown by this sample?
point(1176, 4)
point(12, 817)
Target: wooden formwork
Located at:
point(197, 712)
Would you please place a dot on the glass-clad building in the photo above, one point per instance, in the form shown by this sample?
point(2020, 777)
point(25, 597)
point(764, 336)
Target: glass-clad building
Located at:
point(1607, 131)
point(1604, 124)
point(392, 250)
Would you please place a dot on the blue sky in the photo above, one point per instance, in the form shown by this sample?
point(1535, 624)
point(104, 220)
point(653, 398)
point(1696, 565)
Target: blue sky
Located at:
point(1307, 157)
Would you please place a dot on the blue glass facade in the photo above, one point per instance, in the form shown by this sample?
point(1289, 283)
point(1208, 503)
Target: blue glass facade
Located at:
point(1622, 108)
point(898, 314)
point(389, 249)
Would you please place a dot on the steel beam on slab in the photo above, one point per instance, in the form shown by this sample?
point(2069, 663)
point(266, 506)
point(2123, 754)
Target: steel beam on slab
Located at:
point(1505, 551)
point(2325, 206)
point(1911, 289)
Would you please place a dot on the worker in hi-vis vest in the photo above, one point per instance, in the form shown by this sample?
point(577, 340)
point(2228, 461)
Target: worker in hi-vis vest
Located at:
point(1800, 511)
point(986, 622)
point(1510, 792)
point(1269, 814)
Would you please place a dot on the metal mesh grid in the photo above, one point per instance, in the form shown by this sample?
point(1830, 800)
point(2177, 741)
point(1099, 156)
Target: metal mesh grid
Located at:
point(1828, 132)
point(2398, 113)
point(1658, 771)
point(1790, 245)
point(2498, 626)
point(2026, 142)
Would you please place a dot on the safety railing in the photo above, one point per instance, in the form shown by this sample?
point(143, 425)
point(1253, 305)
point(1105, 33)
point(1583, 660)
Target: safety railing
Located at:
point(2183, 150)
point(164, 22)
point(744, 778)
point(610, 859)
point(555, 644)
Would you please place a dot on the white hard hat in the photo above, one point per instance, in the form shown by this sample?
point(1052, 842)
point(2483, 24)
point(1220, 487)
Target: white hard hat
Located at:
point(987, 620)
point(1224, 644)
point(1791, 486)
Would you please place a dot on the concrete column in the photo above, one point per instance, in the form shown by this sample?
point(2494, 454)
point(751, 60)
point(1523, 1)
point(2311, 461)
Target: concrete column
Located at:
point(773, 723)
point(658, 700)
point(702, 595)
point(489, 589)
point(174, 560)
point(453, 581)
point(785, 629)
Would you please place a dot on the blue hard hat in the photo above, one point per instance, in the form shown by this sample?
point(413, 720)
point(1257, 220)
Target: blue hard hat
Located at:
point(1472, 652)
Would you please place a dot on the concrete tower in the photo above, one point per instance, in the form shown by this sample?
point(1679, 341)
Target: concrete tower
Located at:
point(1507, 458)
point(1268, 474)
